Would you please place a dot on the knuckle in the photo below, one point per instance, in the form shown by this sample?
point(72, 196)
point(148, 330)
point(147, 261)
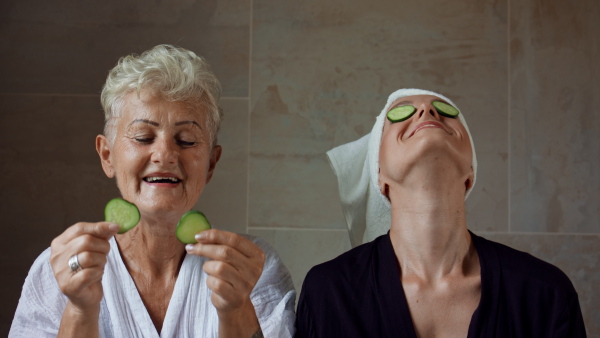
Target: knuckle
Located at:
point(63, 288)
point(84, 259)
point(235, 240)
point(261, 256)
point(218, 285)
point(257, 271)
point(210, 281)
point(79, 226)
point(89, 275)
point(99, 228)
point(84, 275)
point(219, 267)
point(104, 247)
point(210, 234)
point(86, 240)
point(52, 258)
point(209, 267)
point(225, 252)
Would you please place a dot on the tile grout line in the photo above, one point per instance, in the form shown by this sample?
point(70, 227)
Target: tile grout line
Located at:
point(50, 94)
point(263, 228)
point(249, 117)
point(96, 95)
point(234, 98)
point(537, 233)
point(267, 228)
point(509, 185)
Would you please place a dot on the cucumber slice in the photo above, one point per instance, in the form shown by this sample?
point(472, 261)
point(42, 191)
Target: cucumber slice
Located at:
point(401, 113)
point(191, 223)
point(123, 213)
point(445, 109)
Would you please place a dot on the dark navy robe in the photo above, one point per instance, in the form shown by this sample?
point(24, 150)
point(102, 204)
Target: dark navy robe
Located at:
point(359, 294)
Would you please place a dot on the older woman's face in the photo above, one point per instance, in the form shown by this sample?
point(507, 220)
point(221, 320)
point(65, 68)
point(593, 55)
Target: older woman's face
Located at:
point(161, 155)
point(425, 137)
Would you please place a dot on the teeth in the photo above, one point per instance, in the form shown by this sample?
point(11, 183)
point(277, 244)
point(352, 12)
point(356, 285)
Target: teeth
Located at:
point(153, 179)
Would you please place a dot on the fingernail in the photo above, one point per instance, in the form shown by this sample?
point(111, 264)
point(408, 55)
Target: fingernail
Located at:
point(200, 236)
point(113, 227)
point(189, 247)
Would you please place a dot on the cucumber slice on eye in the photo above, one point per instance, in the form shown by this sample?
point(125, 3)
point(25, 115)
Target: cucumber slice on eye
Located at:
point(445, 109)
point(401, 113)
point(123, 213)
point(191, 223)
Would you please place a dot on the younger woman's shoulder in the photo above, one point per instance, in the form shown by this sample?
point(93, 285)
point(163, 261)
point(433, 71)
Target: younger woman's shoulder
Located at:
point(523, 267)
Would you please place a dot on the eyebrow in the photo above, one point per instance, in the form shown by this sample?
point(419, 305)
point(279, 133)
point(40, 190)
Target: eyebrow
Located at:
point(188, 122)
point(145, 121)
point(156, 123)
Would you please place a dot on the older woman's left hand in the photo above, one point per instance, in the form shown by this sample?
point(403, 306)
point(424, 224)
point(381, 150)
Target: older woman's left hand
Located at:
point(235, 266)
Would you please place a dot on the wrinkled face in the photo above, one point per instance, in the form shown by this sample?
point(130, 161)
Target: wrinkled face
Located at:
point(425, 138)
point(161, 156)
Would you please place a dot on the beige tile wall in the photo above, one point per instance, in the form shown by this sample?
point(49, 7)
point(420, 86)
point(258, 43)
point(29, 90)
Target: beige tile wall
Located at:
point(300, 78)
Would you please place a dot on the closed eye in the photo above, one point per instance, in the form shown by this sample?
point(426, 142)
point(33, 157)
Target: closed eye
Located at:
point(186, 143)
point(144, 140)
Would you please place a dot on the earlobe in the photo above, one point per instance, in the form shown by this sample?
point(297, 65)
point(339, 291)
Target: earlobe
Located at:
point(104, 150)
point(468, 184)
point(215, 155)
point(469, 181)
point(384, 189)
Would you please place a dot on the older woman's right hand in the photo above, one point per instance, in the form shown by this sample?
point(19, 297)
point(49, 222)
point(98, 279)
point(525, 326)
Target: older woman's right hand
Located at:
point(89, 241)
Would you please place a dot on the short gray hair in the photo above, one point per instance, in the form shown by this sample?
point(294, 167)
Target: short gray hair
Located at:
point(174, 73)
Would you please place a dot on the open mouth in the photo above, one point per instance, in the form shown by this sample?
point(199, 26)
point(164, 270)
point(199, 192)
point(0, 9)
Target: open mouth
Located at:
point(162, 180)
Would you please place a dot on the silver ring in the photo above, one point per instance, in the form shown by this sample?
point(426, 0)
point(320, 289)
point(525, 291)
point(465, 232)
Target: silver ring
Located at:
point(74, 264)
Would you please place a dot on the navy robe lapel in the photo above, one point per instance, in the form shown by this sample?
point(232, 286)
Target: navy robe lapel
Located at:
point(484, 320)
point(395, 315)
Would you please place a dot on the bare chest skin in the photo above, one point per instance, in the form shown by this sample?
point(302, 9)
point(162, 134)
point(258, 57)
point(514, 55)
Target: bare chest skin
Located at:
point(443, 309)
point(155, 286)
point(156, 297)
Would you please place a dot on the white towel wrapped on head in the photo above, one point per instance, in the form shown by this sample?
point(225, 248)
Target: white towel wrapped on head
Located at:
point(356, 165)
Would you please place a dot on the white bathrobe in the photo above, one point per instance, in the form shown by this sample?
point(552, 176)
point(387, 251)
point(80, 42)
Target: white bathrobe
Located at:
point(123, 314)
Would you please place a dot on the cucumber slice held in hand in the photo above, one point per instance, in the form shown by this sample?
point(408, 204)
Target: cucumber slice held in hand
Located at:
point(401, 113)
point(123, 213)
point(191, 223)
point(445, 109)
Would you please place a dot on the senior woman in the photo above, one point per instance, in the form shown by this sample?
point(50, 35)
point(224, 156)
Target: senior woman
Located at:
point(159, 143)
point(428, 276)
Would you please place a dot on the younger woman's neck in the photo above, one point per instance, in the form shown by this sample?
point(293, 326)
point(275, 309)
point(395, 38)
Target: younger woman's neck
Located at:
point(428, 230)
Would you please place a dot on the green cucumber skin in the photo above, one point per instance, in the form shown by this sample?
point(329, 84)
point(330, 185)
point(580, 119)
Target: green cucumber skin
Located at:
point(191, 223)
point(405, 112)
point(133, 216)
point(445, 109)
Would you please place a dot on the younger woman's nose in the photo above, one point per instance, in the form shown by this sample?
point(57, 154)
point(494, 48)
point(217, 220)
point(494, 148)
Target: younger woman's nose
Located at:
point(426, 109)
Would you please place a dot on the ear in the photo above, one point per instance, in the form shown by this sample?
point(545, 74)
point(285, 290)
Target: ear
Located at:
point(215, 155)
point(384, 188)
point(104, 151)
point(469, 181)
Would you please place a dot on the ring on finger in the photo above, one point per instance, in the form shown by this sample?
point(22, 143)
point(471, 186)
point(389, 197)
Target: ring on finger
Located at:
point(74, 264)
